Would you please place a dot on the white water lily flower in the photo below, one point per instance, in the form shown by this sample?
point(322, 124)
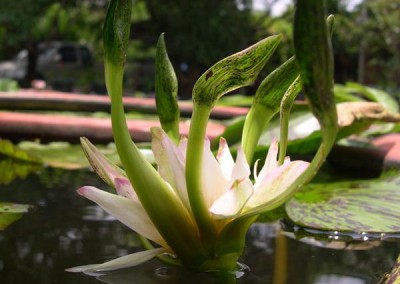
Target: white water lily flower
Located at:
point(226, 186)
point(241, 197)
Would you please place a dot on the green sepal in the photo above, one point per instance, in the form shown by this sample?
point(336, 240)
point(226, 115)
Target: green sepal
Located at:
point(286, 106)
point(314, 56)
point(166, 89)
point(235, 71)
point(230, 73)
point(116, 31)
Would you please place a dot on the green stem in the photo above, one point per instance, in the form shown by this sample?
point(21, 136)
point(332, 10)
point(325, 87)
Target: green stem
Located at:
point(194, 161)
point(166, 211)
point(286, 106)
point(256, 120)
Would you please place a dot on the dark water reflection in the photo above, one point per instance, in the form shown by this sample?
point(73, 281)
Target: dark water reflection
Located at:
point(65, 230)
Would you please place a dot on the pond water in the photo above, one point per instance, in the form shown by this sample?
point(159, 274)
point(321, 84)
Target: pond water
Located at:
point(65, 230)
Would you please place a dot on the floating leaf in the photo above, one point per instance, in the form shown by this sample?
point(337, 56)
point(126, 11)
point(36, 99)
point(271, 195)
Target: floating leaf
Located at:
point(6, 207)
point(358, 206)
point(8, 149)
point(10, 212)
point(65, 155)
point(70, 156)
point(375, 95)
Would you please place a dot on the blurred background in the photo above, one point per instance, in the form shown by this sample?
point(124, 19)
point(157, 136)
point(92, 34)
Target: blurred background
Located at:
point(58, 44)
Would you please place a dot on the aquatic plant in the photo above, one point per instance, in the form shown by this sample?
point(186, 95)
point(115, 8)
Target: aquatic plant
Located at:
point(197, 208)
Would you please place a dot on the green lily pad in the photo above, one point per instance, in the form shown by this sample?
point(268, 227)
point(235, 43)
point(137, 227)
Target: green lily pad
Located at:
point(70, 156)
point(356, 206)
point(8, 149)
point(64, 155)
point(10, 212)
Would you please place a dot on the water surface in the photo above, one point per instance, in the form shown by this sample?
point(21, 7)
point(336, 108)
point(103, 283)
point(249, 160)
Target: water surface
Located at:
point(65, 230)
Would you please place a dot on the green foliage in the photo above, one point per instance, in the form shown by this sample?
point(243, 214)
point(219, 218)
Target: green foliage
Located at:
point(8, 149)
point(8, 85)
point(10, 212)
point(66, 156)
point(356, 206)
point(238, 70)
point(11, 169)
point(166, 92)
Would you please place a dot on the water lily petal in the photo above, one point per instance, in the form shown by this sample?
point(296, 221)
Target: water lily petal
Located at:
point(270, 189)
point(225, 159)
point(182, 146)
point(271, 162)
point(124, 188)
point(232, 202)
point(121, 262)
point(214, 182)
point(127, 211)
point(171, 163)
point(241, 169)
point(100, 164)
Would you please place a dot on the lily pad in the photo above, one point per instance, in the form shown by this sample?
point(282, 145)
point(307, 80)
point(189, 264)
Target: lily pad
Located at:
point(70, 156)
point(64, 155)
point(7, 148)
point(10, 212)
point(356, 206)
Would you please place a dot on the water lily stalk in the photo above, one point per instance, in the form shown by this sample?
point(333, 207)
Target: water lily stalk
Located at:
point(166, 90)
point(266, 104)
point(285, 108)
point(235, 71)
point(315, 60)
point(160, 202)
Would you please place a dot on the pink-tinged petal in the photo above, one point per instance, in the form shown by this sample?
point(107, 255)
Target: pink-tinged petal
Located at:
point(171, 163)
point(271, 162)
point(125, 189)
point(225, 159)
point(241, 169)
point(231, 203)
point(127, 211)
point(182, 146)
point(214, 183)
point(121, 262)
point(100, 164)
point(272, 189)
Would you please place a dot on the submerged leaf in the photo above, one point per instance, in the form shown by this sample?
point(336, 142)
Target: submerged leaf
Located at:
point(358, 206)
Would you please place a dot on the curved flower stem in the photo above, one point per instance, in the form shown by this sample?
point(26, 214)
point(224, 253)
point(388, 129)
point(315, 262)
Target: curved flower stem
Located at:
point(164, 208)
point(254, 126)
point(194, 160)
point(286, 106)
